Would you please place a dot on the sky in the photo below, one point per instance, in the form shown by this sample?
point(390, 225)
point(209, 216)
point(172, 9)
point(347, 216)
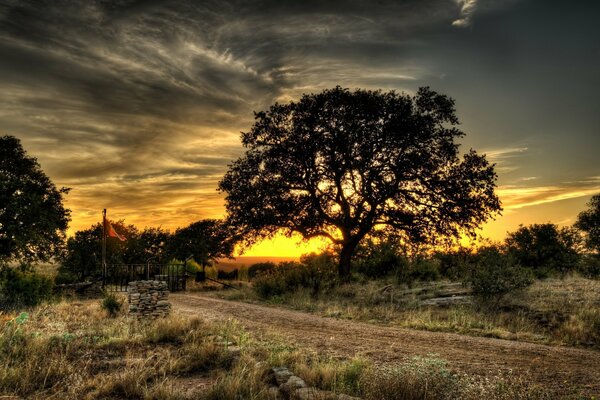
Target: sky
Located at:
point(138, 106)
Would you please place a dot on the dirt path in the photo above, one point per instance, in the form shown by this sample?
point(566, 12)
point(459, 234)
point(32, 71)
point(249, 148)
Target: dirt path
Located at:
point(556, 367)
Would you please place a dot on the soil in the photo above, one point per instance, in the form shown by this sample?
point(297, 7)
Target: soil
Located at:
point(559, 368)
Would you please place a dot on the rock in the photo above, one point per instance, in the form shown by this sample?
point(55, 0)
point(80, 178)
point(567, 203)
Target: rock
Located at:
point(293, 383)
point(281, 374)
point(312, 394)
point(273, 393)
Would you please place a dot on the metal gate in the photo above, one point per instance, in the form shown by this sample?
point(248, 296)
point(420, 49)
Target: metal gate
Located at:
point(116, 277)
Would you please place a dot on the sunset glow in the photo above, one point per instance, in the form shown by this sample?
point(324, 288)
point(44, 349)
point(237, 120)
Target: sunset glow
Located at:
point(139, 108)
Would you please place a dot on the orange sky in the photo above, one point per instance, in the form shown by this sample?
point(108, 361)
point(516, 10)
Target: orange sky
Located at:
point(139, 108)
point(525, 207)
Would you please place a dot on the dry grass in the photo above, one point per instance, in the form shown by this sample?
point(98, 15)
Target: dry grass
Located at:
point(554, 311)
point(72, 350)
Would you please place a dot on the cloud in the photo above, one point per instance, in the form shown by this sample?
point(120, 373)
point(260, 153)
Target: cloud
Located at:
point(467, 8)
point(514, 197)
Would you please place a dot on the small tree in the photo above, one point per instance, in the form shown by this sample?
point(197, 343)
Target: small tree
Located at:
point(338, 164)
point(493, 274)
point(544, 248)
point(205, 240)
point(588, 221)
point(33, 220)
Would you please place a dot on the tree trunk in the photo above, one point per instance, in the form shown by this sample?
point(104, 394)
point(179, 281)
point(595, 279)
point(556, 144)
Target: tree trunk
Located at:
point(345, 260)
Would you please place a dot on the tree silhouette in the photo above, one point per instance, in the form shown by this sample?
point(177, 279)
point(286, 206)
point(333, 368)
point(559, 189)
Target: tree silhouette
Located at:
point(340, 163)
point(588, 221)
point(205, 240)
point(33, 220)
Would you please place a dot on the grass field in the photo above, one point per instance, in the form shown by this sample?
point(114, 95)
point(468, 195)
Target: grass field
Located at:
point(72, 350)
point(553, 311)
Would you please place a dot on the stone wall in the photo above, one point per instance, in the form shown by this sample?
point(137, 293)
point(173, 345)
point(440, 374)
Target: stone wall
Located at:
point(148, 299)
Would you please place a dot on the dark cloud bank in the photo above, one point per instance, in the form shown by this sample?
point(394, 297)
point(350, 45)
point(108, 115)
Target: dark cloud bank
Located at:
point(138, 104)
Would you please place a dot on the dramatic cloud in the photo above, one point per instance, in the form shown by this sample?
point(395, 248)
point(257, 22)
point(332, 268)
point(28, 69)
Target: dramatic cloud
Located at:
point(138, 105)
point(467, 8)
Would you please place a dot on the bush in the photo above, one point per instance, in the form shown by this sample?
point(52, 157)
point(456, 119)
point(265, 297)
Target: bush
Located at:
point(314, 271)
point(495, 274)
point(256, 269)
point(590, 266)
point(381, 261)
point(20, 289)
point(111, 304)
point(425, 270)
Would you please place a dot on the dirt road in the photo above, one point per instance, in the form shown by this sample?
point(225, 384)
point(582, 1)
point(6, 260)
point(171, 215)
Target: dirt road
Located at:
point(556, 367)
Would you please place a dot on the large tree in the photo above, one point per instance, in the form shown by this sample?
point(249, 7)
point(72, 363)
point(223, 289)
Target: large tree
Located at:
point(33, 219)
point(588, 221)
point(205, 240)
point(340, 163)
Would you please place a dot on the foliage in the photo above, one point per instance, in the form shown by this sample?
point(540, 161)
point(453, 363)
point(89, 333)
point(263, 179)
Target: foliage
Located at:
point(589, 266)
point(205, 240)
point(111, 304)
point(380, 260)
point(338, 163)
point(20, 289)
point(314, 272)
point(588, 221)
point(494, 274)
point(422, 269)
point(544, 248)
point(453, 264)
point(83, 255)
point(33, 220)
point(260, 268)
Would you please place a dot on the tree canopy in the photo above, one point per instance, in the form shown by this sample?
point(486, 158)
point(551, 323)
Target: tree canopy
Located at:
point(544, 248)
point(340, 163)
point(33, 219)
point(205, 240)
point(83, 254)
point(588, 221)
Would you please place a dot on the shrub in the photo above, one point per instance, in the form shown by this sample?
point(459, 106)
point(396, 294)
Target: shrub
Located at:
point(495, 274)
point(111, 304)
point(23, 289)
point(256, 269)
point(314, 272)
point(424, 269)
point(380, 261)
point(544, 248)
point(590, 266)
point(453, 264)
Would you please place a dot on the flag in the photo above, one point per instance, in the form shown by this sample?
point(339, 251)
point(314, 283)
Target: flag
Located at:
point(111, 232)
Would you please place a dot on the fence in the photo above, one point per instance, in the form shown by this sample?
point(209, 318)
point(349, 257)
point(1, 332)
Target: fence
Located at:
point(116, 277)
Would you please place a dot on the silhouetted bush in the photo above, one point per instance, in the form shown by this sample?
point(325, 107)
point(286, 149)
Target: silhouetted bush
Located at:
point(545, 248)
point(423, 269)
point(256, 269)
point(589, 266)
point(494, 274)
point(230, 276)
point(314, 271)
point(381, 261)
point(23, 289)
point(454, 264)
